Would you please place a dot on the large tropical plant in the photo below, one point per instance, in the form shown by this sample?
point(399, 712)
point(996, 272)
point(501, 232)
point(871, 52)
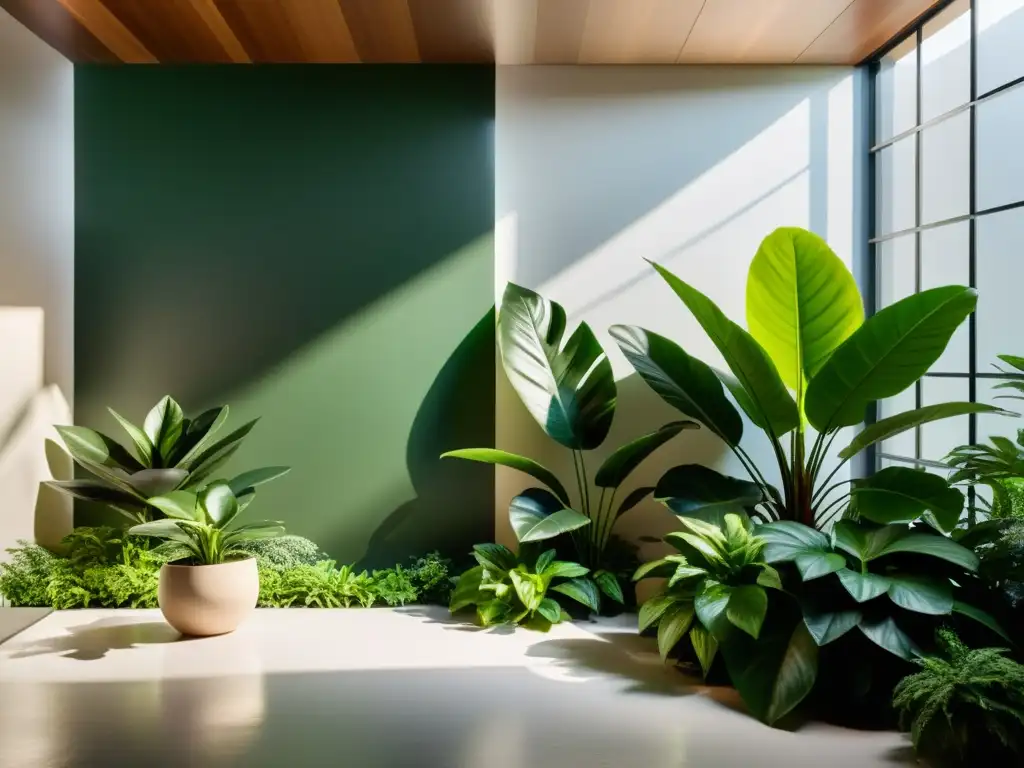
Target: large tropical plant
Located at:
point(172, 452)
point(567, 386)
point(807, 368)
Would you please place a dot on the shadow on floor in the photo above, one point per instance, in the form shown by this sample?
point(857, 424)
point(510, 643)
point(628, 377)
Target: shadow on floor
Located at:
point(93, 641)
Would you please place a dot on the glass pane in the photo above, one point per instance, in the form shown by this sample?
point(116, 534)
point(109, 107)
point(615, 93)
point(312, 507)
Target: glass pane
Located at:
point(989, 424)
point(946, 61)
point(896, 270)
point(1000, 161)
point(903, 444)
point(1000, 32)
point(999, 238)
point(945, 260)
point(938, 438)
point(895, 170)
point(896, 91)
point(946, 169)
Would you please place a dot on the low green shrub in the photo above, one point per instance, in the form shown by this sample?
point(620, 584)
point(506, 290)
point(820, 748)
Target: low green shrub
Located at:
point(107, 568)
point(965, 706)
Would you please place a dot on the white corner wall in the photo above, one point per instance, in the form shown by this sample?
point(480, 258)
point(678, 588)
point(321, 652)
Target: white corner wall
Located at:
point(37, 192)
point(599, 168)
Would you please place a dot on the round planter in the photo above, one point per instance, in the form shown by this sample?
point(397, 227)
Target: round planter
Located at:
point(203, 600)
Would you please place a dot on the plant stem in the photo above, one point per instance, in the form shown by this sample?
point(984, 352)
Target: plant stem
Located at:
point(586, 492)
point(822, 493)
point(824, 517)
point(611, 521)
point(598, 523)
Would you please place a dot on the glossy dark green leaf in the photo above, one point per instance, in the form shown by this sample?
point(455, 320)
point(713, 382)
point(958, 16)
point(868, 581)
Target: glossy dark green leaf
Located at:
point(544, 559)
point(633, 498)
point(582, 590)
point(198, 434)
point(747, 607)
point(156, 482)
point(770, 404)
point(814, 565)
point(981, 617)
point(786, 540)
point(467, 589)
point(138, 437)
point(868, 543)
point(802, 302)
point(569, 388)
point(609, 585)
point(888, 353)
point(622, 462)
point(255, 477)
point(537, 515)
point(774, 673)
point(672, 628)
point(901, 422)
point(210, 460)
point(886, 634)
point(863, 586)
point(696, 491)
point(550, 610)
point(684, 382)
point(87, 446)
point(181, 505)
point(163, 426)
point(902, 495)
point(506, 459)
point(921, 594)
point(826, 626)
point(704, 646)
point(711, 604)
point(95, 490)
point(496, 558)
point(220, 503)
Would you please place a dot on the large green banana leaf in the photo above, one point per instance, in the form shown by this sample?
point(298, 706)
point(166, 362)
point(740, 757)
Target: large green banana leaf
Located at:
point(623, 461)
point(768, 402)
point(515, 461)
point(802, 303)
point(569, 388)
point(888, 353)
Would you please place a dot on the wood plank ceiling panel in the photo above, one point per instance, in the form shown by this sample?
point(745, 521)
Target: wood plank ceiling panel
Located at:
point(639, 32)
point(109, 30)
point(172, 30)
point(382, 30)
point(454, 31)
point(322, 31)
point(762, 32)
point(559, 34)
point(865, 26)
point(218, 26)
point(59, 29)
point(515, 31)
point(264, 30)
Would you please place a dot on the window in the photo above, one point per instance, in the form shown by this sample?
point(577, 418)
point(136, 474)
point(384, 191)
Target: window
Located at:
point(948, 176)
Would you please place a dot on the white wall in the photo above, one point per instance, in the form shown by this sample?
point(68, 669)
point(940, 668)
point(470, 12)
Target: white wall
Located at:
point(37, 185)
point(598, 168)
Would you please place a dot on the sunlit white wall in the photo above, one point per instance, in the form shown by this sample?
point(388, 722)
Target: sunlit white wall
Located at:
point(37, 181)
point(598, 168)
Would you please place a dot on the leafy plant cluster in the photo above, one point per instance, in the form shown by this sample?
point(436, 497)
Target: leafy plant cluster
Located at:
point(965, 704)
point(109, 568)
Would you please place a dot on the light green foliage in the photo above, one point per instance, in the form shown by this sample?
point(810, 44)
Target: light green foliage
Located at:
point(567, 385)
point(284, 551)
point(506, 588)
point(199, 527)
point(967, 704)
point(432, 579)
point(171, 453)
point(24, 578)
point(315, 586)
point(394, 586)
point(810, 359)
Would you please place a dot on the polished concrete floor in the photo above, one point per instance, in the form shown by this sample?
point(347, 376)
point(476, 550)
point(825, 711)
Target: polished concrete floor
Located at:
point(373, 688)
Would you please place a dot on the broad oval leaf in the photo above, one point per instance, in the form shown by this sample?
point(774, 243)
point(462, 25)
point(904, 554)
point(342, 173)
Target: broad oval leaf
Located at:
point(526, 589)
point(652, 609)
point(902, 495)
point(772, 407)
point(814, 565)
point(87, 446)
point(826, 626)
point(802, 302)
point(704, 646)
point(568, 389)
point(886, 634)
point(533, 516)
point(162, 529)
point(220, 503)
point(673, 627)
point(901, 422)
point(255, 477)
point(692, 490)
point(182, 505)
point(868, 543)
point(632, 499)
point(156, 482)
point(142, 443)
point(550, 610)
point(582, 590)
point(863, 586)
point(888, 353)
point(746, 608)
point(622, 462)
point(515, 461)
point(163, 426)
point(199, 433)
point(684, 382)
point(565, 569)
point(467, 589)
point(496, 558)
point(921, 594)
point(711, 604)
point(609, 585)
point(544, 559)
point(787, 539)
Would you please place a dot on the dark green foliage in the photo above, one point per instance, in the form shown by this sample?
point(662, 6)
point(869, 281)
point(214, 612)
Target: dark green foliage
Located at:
point(432, 578)
point(965, 705)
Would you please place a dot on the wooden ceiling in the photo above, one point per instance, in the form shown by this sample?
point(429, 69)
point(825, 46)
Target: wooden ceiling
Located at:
point(480, 31)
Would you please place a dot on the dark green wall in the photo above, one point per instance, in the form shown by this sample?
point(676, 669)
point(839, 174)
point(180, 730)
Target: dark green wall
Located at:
point(312, 245)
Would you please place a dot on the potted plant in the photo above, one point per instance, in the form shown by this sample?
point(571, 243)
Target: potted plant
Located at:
point(211, 583)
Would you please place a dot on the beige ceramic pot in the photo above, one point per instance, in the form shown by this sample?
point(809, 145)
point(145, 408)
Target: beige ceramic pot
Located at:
point(202, 600)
